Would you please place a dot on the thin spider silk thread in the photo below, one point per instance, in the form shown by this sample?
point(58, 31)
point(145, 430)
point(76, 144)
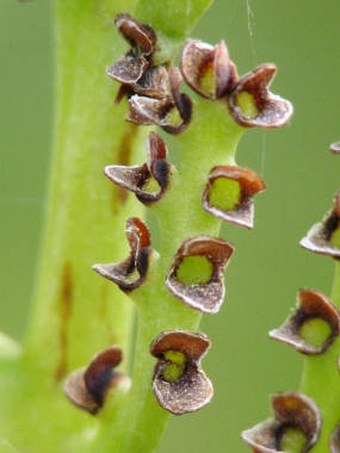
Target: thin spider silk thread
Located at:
point(250, 26)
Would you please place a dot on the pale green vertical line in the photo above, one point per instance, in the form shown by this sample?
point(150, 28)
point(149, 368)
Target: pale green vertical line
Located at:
point(76, 314)
point(321, 381)
point(173, 18)
point(86, 214)
point(335, 294)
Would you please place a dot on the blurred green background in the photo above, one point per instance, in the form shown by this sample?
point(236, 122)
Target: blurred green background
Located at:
point(303, 39)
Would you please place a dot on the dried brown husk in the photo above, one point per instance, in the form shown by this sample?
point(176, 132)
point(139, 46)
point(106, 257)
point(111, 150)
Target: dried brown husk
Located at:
point(87, 387)
point(136, 70)
point(272, 110)
point(312, 305)
point(250, 183)
point(198, 59)
point(139, 36)
point(138, 77)
point(134, 178)
point(130, 273)
point(318, 237)
point(334, 441)
point(207, 297)
point(335, 148)
point(193, 390)
point(291, 410)
point(145, 110)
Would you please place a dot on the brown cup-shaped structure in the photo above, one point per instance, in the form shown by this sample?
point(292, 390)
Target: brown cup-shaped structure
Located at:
point(253, 105)
point(135, 70)
point(292, 411)
point(135, 178)
point(206, 296)
point(312, 305)
point(145, 110)
point(335, 148)
point(137, 77)
point(242, 211)
point(154, 83)
point(88, 387)
point(334, 441)
point(324, 237)
point(139, 36)
point(207, 69)
point(130, 69)
point(179, 383)
point(130, 273)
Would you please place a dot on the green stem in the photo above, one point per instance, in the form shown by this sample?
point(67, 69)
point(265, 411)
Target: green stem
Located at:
point(76, 314)
point(172, 18)
point(81, 230)
point(210, 140)
point(335, 295)
point(181, 215)
point(320, 379)
point(72, 303)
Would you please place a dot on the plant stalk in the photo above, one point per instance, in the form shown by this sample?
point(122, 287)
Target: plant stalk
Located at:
point(181, 215)
point(320, 379)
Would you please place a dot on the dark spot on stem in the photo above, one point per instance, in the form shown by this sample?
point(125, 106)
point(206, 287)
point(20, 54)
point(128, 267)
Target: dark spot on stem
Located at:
point(65, 299)
point(126, 143)
point(104, 314)
point(123, 158)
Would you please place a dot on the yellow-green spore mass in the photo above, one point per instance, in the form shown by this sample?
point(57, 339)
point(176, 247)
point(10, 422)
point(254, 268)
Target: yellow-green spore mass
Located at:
point(151, 186)
point(225, 194)
point(173, 117)
point(315, 331)
point(133, 276)
point(175, 357)
point(175, 369)
point(335, 238)
point(195, 270)
point(293, 440)
point(246, 102)
point(207, 82)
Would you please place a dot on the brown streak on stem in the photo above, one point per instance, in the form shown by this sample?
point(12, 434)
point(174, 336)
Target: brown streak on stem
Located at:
point(123, 158)
point(105, 314)
point(65, 299)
